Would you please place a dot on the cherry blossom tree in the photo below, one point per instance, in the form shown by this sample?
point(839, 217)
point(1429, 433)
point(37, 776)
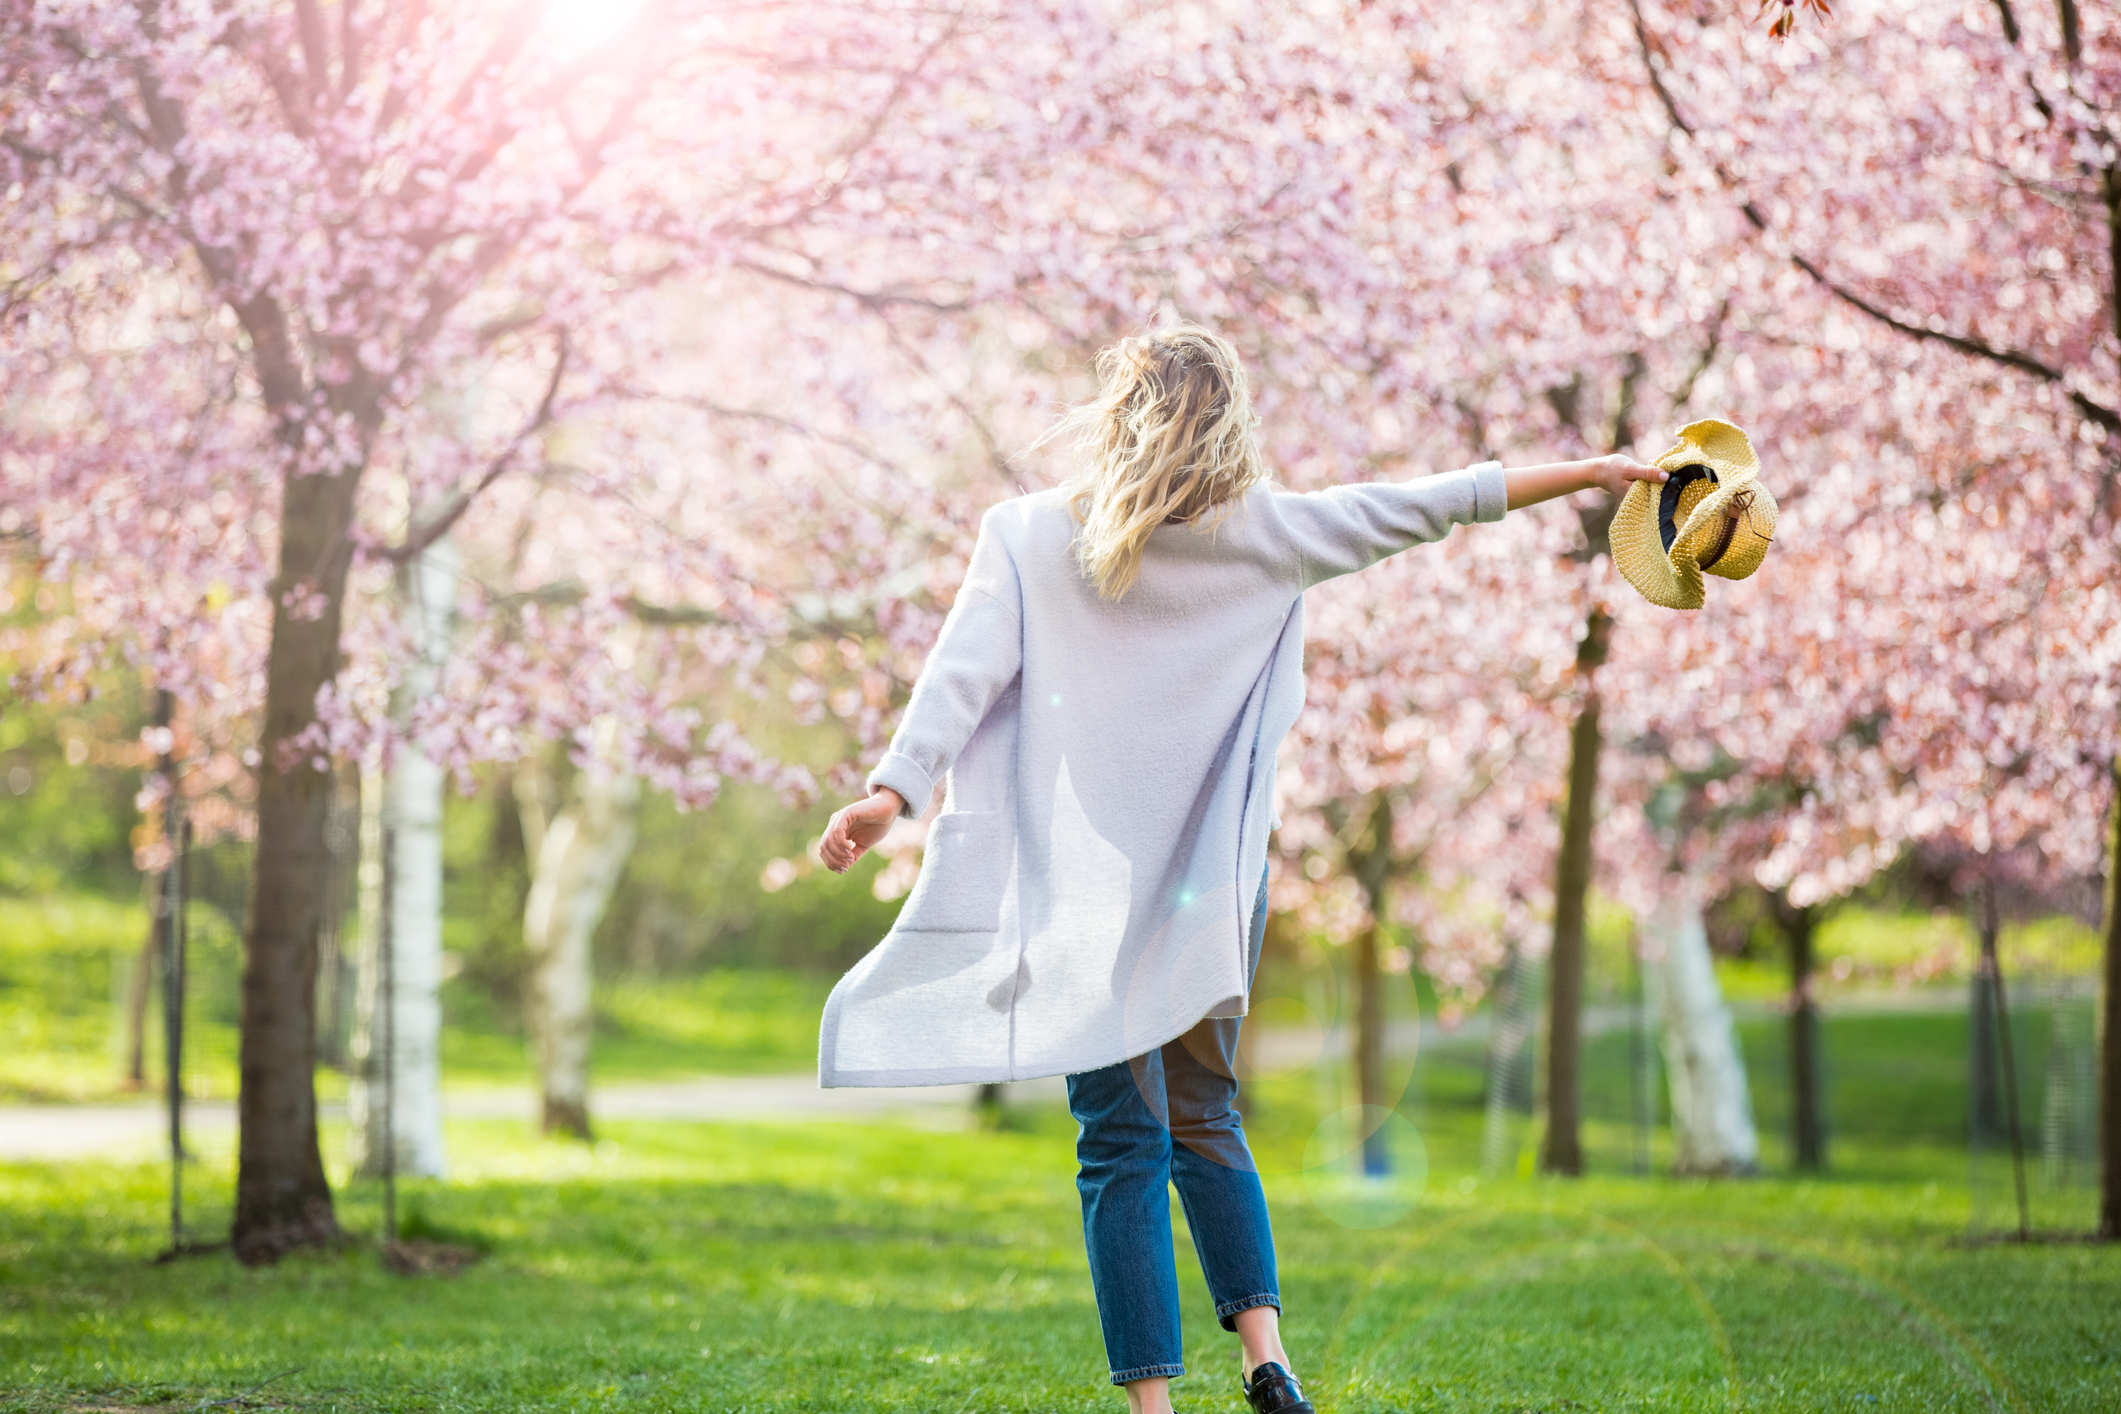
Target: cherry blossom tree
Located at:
point(1973, 340)
point(1417, 787)
point(258, 253)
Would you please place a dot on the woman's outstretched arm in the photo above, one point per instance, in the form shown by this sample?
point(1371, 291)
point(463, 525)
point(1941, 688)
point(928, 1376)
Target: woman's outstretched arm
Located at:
point(1529, 485)
point(1343, 529)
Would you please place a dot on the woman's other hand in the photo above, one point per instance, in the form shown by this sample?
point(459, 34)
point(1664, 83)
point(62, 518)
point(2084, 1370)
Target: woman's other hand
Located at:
point(1614, 473)
point(855, 830)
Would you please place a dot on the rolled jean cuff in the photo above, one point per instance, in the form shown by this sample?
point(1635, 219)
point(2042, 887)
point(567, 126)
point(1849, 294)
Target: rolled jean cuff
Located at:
point(1147, 1372)
point(1228, 1310)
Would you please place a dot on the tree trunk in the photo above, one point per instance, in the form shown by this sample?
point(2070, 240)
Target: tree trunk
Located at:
point(1642, 1098)
point(1984, 1095)
point(137, 988)
point(1370, 1050)
point(1562, 1151)
point(1370, 859)
point(338, 981)
point(283, 1200)
point(1807, 1110)
point(2109, 1039)
point(411, 807)
point(1712, 1111)
point(579, 854)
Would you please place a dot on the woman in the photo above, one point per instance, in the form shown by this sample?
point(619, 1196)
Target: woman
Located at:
point(1104, 704)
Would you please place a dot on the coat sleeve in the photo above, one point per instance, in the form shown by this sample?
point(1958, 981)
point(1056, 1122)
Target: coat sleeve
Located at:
point(1347, 528)
point(976, 656)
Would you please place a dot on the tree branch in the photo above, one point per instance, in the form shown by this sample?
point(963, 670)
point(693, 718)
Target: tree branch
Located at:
point(2011, 33)
point(2009, 358)
point(564, 593)
point(2093, 410)
point(443, 294)
point(420, 537)
point(2072, 31)
point(349, 47)
point(868, 299)
point(902, 81)
point(965, 410)
point(1664, 95)
point(309, 28)
point(1476, 427)
point(1708, 357)
point(774, 419)
point(1623, 431)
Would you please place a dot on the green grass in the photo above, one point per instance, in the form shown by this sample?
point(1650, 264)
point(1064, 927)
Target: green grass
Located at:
point(66, 964)
point(1868, 948)
point(729, 1022)
point(843, 1267)
point(846, 1267)
point(63, 965)
point(722, 1267)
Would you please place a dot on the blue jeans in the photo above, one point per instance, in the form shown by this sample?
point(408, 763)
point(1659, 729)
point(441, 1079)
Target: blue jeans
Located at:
point(1129, 1114)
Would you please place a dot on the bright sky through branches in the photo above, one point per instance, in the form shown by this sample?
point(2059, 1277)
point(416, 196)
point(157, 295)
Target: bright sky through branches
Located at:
point(575, 25)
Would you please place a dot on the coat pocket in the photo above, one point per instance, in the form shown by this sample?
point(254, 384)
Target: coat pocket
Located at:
point(964, 872)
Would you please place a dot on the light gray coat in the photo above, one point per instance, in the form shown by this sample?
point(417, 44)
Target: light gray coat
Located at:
point(1086, 891)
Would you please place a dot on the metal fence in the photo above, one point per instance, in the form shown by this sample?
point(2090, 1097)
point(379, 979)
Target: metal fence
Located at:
point(2030, 1082)
point(2032, 1112)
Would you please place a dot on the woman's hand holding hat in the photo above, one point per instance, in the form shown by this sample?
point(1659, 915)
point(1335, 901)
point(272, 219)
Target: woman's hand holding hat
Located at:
point(1616, 473)
point(1529, 485)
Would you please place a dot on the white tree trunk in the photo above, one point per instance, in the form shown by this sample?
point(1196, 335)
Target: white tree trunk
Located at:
point(577, 855)
point(408, 800)
point(1712, 1112)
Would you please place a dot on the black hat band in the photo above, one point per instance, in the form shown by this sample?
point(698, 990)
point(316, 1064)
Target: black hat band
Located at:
point(1668, 503)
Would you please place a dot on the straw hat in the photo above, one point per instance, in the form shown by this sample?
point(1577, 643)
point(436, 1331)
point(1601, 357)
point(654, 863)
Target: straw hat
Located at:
point(1712, 515)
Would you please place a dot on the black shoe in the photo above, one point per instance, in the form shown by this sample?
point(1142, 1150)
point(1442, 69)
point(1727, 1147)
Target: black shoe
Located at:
point(1273, 1390)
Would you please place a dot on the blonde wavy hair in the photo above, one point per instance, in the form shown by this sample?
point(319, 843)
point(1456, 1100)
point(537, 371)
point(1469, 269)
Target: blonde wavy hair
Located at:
point(1169, 437)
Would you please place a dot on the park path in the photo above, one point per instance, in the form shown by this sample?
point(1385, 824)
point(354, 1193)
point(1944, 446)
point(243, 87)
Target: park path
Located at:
point(136, 1128)
point(139, 1128)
